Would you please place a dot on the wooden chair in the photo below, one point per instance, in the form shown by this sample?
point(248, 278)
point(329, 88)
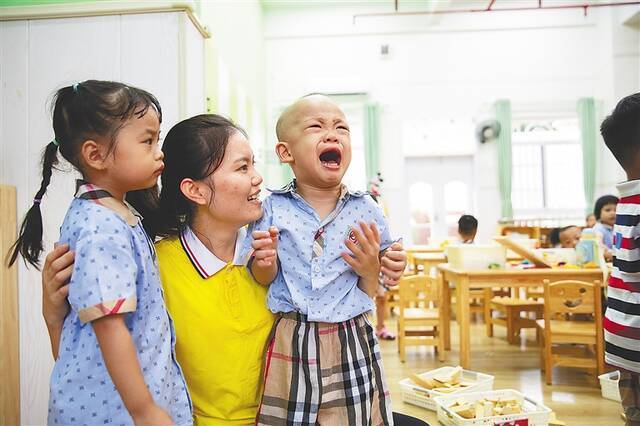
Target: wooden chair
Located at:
point(393, 294)
point(419, 322)
point(477, 301)
point(514, 314)
point(536, 293)
point(412, 268)
point(564, 301)
point(393, 300)
point(478, 298)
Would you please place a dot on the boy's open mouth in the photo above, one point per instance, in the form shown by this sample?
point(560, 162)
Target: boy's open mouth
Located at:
point(331, 158)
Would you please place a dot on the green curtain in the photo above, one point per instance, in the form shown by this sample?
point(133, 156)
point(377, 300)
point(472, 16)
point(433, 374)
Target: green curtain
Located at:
point(371, 140)
point(588, 134)
point(503, 115)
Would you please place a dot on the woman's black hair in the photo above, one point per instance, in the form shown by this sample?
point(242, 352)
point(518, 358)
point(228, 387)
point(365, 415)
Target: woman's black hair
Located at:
point(603, 201)
point(194, 149)
point(92, 109)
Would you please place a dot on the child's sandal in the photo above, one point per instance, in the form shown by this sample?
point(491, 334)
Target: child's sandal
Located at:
point(385, 334)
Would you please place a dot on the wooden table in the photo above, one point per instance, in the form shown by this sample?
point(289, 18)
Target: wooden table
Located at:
point(420, 250)
point(427, 260)
point(432, 259)
point(423, 248)
point(488, 278)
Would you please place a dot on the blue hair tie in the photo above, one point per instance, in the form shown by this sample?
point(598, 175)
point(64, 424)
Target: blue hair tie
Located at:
point(75, 88)
point(55, 142)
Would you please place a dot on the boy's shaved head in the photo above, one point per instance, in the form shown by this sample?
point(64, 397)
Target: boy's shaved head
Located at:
point(314, 139)
point(290, 114)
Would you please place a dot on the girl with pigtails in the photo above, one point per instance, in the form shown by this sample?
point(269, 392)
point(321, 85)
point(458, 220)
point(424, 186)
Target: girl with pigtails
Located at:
point(115, 360)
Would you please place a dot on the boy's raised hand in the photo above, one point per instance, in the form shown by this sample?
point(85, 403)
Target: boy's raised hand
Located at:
point(365, 250)
point(393, 263)
point(265, 246)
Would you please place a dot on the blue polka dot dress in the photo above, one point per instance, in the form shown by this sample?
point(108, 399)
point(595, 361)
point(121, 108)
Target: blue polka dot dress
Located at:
point(115, 272)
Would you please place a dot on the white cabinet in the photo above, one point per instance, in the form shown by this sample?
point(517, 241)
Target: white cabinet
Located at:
point(161, 52)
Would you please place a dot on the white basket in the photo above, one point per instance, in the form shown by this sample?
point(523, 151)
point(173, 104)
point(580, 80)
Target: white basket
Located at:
point(534, 413)
point(417, 395)
point(609, 385)
point(476, 256)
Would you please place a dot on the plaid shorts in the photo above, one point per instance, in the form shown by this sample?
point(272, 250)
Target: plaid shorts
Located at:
point(324, 373)
point(629, 386)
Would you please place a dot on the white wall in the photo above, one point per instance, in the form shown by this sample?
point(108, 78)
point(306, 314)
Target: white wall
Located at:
point(237, 38)
point(449, 67)
point(624, 50)
point(36, 58)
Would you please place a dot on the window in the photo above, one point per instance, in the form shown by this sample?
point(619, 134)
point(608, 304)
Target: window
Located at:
point(421, 205)
point(547, 179)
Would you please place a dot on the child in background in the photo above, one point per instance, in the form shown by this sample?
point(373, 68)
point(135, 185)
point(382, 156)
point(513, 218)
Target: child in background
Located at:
point(605, 212)
point(590, 220)
point(569, 236)
point(554, 238)
point(467, 229)
point(621, 133)
point(116, 362)
point(323, 363)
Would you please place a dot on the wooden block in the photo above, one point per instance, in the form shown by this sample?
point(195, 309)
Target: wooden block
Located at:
point(511, 409)
point(425, 382)
point(509, 401)
point(466, 411)
point(452, 377)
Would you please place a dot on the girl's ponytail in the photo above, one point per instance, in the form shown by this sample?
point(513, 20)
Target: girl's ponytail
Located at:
point(29, 242)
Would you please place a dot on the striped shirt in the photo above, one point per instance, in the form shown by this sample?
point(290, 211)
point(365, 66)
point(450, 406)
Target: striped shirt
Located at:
point(622, 318)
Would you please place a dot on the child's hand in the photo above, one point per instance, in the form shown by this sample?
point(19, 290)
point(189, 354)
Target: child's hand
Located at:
point(153, 415)
point(393, 263)
point(55, 284)
point(608, 255)
point(265, 246)
point(365, 260)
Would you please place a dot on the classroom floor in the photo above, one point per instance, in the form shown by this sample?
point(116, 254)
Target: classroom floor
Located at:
point(574, 396)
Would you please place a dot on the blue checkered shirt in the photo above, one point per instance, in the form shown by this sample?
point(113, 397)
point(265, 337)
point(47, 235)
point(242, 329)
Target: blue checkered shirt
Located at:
point(313, 279)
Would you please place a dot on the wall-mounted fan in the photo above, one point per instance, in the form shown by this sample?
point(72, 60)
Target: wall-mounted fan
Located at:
point(487, 130)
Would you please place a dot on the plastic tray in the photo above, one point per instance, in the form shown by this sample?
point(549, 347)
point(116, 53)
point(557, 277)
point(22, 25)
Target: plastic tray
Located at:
point(416, 395)
point(534, 413)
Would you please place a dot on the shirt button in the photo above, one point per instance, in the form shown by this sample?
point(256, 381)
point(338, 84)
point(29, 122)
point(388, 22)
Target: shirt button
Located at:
point(316, 268)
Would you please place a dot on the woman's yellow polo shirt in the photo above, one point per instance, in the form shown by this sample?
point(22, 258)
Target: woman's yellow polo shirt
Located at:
point(222, 324)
